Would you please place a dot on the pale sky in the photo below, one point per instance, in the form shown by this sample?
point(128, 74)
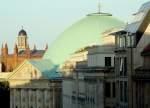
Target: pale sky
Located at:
point(44, 20)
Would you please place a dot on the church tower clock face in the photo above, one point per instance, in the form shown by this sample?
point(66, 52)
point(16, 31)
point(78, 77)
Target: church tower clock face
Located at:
point(22, 39)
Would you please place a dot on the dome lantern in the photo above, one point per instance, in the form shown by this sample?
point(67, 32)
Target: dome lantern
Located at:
point(22, 32)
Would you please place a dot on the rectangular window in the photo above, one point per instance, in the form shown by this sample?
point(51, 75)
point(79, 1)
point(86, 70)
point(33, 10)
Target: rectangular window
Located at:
point(107, 61)
point(114, 90)
point(121, 91)
point(122, 42)
point(125, 91)
point(117, 63)
point(107, 89)
point(121, 66)
point(131, 41)
point(107, 107)
point(125, 66)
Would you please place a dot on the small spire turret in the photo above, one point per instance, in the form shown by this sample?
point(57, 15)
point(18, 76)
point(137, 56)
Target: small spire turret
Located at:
point(99, 6)
point(46, 47)
point(34, 47)
point(15, 49)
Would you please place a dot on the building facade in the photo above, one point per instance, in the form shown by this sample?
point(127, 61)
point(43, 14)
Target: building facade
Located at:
point(130, 42)
point(121, 76)
point(34, 86)
point(92, 84)
point(141, 80)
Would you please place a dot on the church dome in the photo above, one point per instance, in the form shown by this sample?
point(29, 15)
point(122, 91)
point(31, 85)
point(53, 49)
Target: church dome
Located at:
point(22, 33)
point(84, 32)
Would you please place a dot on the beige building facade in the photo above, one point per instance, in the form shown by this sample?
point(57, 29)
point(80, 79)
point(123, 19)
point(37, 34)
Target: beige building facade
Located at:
point(92, 84)
point(130, 42)
point(32, 86)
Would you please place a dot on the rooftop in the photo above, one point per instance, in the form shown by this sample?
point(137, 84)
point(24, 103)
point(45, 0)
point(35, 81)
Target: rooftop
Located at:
point(47, 68)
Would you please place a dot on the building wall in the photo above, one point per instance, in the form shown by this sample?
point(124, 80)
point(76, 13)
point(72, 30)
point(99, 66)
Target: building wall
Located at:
point(36, 94)
point(90, 94)
point(144, 41)
point(99, 59)
point(0, 67)
point(137, 62)
point(30, 98)
point(29, 89)
point(67, 89)
point(10, 62)
point(121, 72)
point(96, 55)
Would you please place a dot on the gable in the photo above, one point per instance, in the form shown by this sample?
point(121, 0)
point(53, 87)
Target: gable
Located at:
point(25, 71)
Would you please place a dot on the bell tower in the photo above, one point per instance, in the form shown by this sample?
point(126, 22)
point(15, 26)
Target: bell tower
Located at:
point(22, 39)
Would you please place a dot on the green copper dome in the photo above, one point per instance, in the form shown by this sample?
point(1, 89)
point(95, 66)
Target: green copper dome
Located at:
point(85, 32)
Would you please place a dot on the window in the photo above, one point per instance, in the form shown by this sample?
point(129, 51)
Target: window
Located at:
point(107, 89)
point(114, 89)
point(121, 91)
point(125, 66)
point(107, 61)
point(121, 66)
point(130, 41)
point(125, 92)
point(122, 41)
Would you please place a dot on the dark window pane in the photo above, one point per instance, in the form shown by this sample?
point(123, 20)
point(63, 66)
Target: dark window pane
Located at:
point(114, 89)
point(107, 61)
point(125, 66)
point(107, 89)
point(125, 91)
point(121, 91)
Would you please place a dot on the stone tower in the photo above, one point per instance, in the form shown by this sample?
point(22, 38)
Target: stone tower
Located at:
point(22, 40)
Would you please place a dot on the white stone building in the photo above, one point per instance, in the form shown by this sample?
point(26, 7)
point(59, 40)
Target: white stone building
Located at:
point(92, 84)
point(34, 85)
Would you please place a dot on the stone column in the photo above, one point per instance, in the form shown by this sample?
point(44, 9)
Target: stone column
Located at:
point(53, 96)
point(14, 90)
point(21, 98)
point(36, 98)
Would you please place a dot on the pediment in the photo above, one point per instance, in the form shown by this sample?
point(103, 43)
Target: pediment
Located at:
point(25, 71)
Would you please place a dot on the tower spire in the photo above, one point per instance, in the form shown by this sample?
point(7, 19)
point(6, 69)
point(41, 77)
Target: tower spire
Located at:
point(99, 6)
point(34, 47)
point(2, 45)
point(46, 47)
point(15, 49)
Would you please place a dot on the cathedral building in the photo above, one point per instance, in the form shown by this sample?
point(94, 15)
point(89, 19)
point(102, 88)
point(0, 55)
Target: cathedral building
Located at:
point(22, 51)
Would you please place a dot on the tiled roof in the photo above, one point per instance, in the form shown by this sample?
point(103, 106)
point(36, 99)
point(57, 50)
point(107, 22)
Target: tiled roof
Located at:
point(138, 18)
point(47, 68)
point(32, 52)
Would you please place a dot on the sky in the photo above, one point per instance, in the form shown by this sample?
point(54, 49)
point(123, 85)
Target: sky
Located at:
point(44, 20)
